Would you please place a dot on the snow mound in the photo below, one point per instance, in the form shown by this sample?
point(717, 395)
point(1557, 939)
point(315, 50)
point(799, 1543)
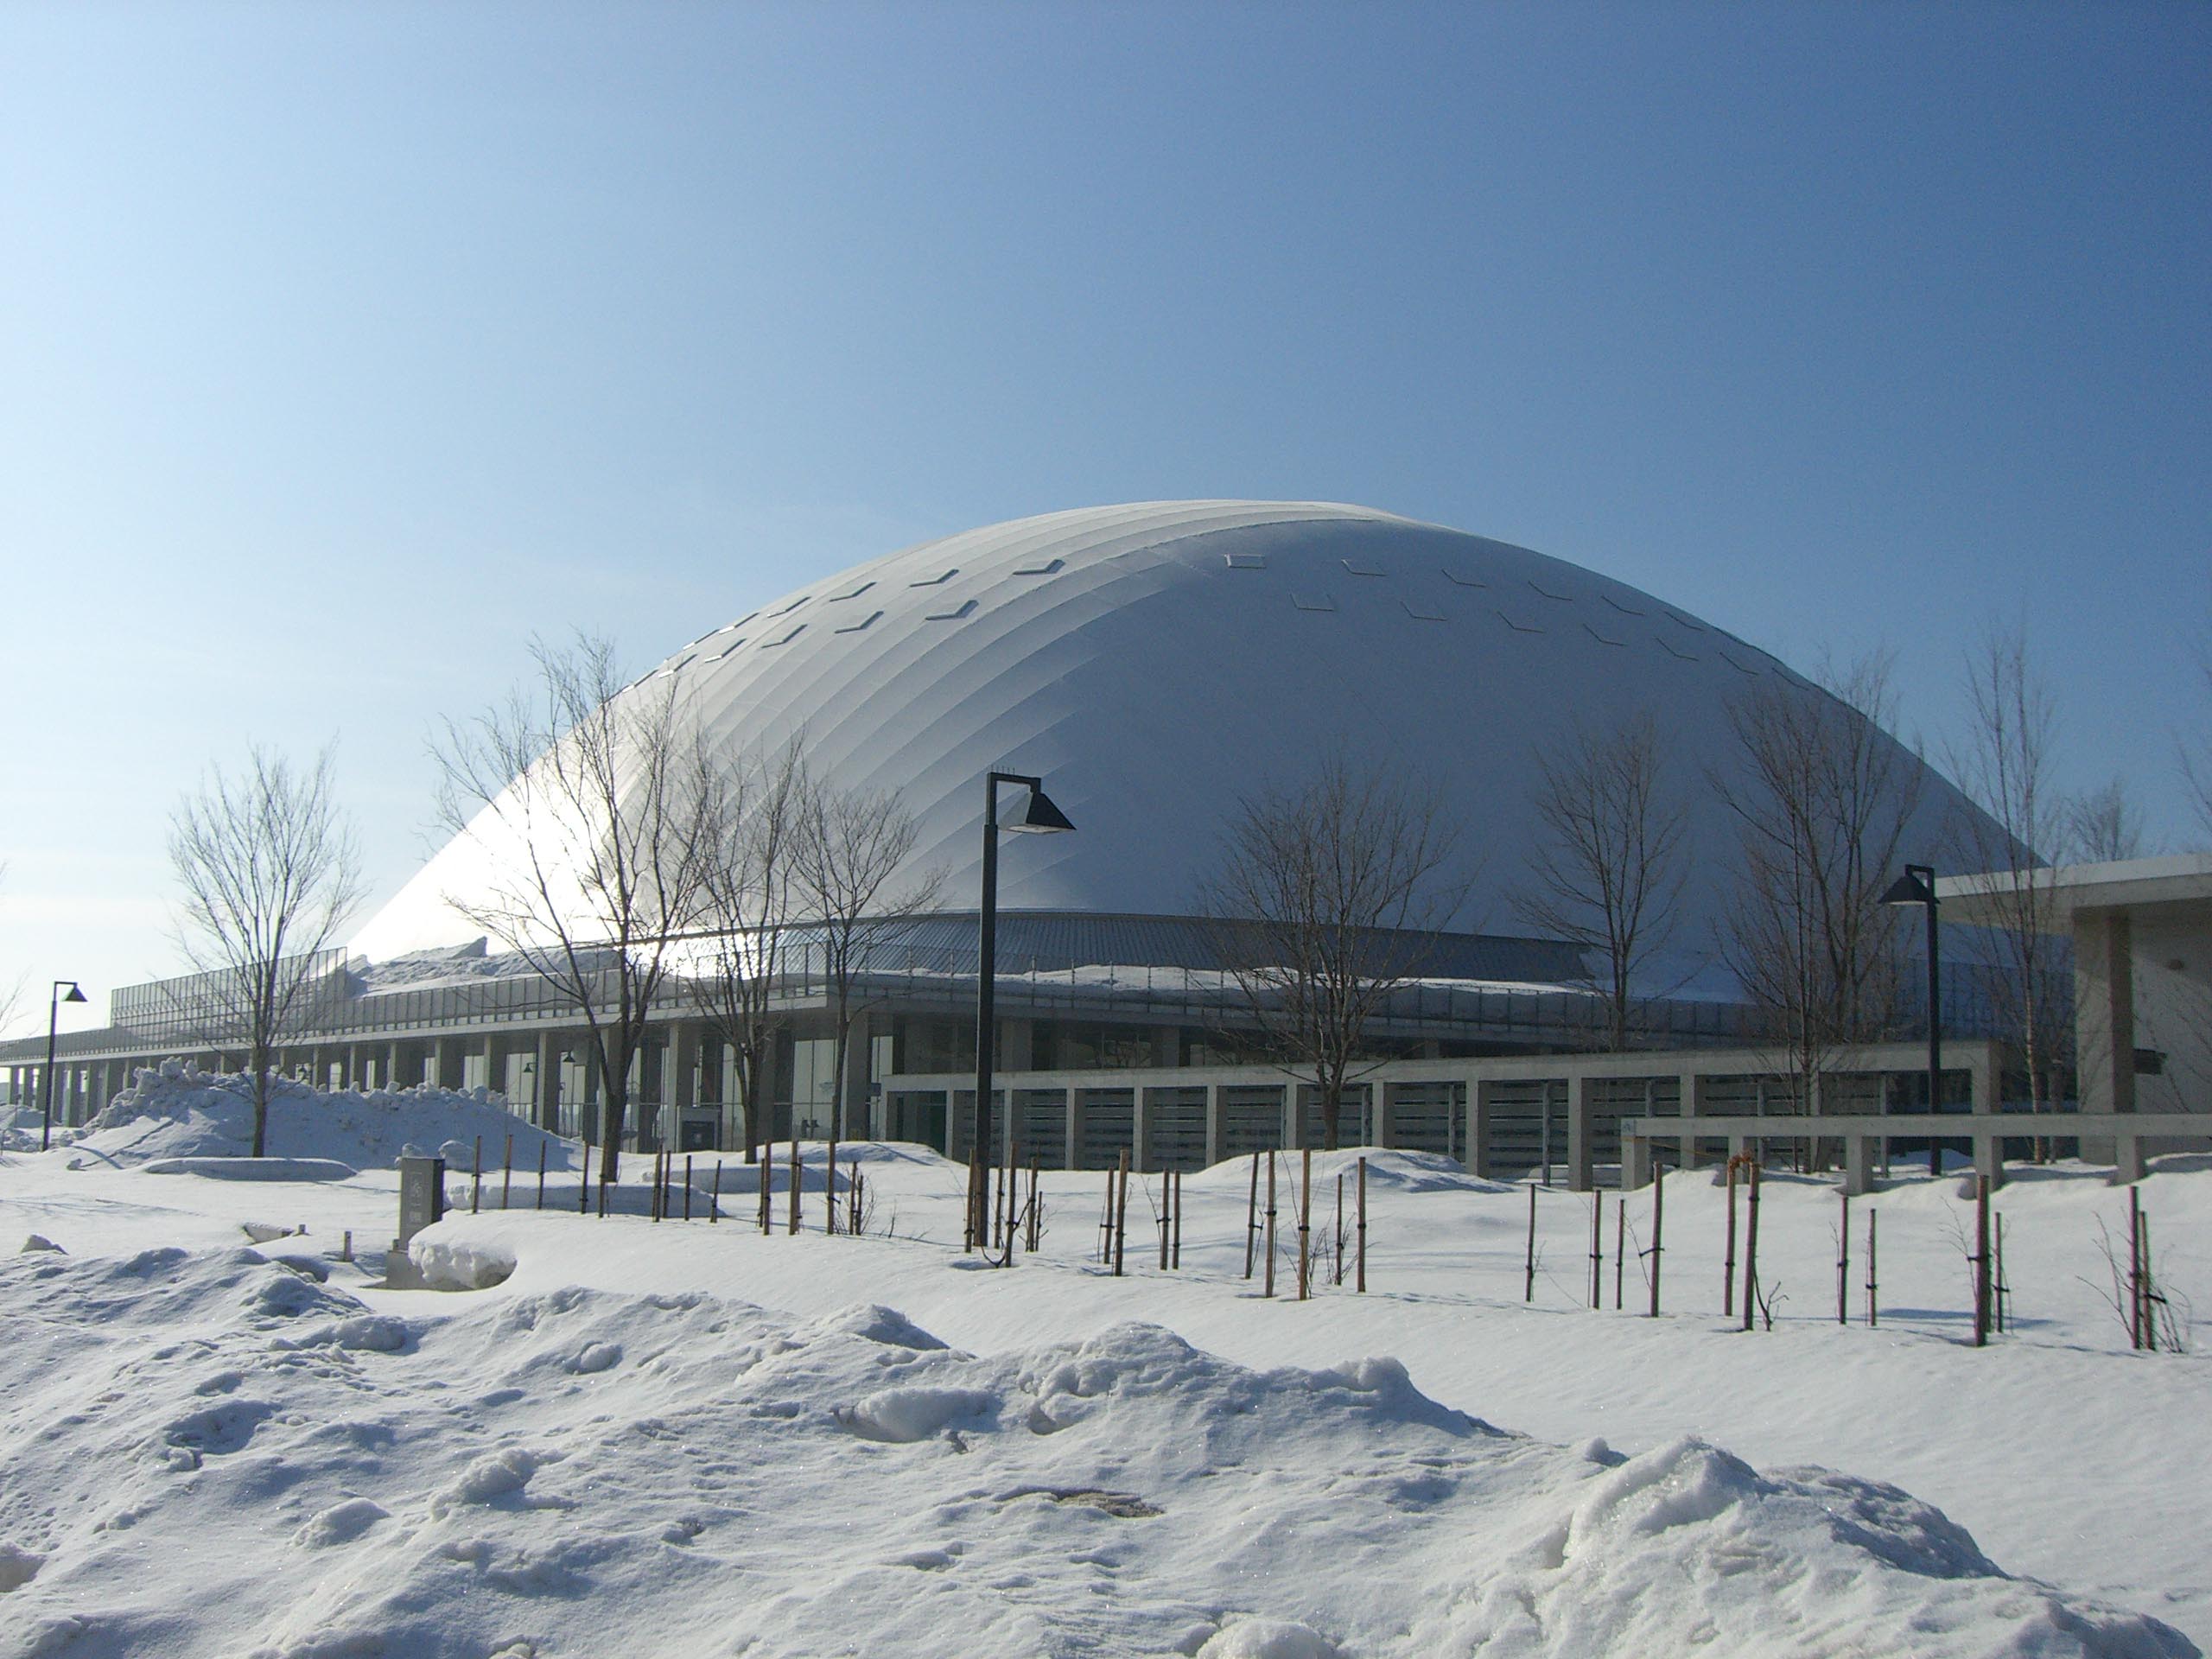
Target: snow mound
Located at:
point(210, 1454)
point(175, 1112)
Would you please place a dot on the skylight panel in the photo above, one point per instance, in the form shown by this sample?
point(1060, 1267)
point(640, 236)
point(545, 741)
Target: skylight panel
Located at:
point(789, 608)
point(783, 639)
point(1245, 561)
point(728, 648)
point(936, 580)
point(1675, 650)
point(1602, 638)
point(1517, 625)
point(1546, 592)
point(954, 615)
point(854, 627)
point(1625, 610)
point(1360, 565)
point(1464, 578)
point(1423, 610)
point(851, 592)
point(1051, 566)
point(1313, 601)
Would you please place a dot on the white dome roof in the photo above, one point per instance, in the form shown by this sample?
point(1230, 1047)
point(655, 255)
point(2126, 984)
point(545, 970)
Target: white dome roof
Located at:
point(1154, 662)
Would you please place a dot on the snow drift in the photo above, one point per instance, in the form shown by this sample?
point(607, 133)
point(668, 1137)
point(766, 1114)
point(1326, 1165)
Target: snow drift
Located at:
point(209, 1452)
point(177, 1111)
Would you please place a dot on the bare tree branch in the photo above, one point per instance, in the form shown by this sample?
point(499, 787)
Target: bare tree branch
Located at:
point(1608, 875)
point(2102, 825)
point(1325, 901)
point(594, 803)
point(750, 906)
point(270, 875)
point(1822, 801)
point(850, 847)
point(2003, 765)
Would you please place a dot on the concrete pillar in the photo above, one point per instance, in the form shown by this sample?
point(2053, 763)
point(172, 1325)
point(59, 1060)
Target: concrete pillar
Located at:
point(545, 1110)
point(1216, 1122)
point(852, 1111)
point(1688, 1098)
point(1069, 1107)
point(2128, 1160)
point(1137, 1117)
point(1636, 1161)
point(1475, 1148)
point(680, 1076)
point(1989, 1161)
point(1384, 1098)
point(1166, 1045)
point(1857, 1165)
point(1580, 1174)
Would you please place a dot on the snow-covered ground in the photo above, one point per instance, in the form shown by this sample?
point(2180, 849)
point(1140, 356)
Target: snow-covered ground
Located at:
point(688, 1437)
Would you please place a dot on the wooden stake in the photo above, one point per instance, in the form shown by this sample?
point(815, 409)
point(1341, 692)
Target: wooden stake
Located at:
point(1360, 1258)
point(1160, 1222)
point(1529, 1270)
point(767, 1166)
point(1597, 1248)
point(1252, 1217)
point(1175, 1246)
point(543, 1143)
point(972, 1236)
point(2151, 1297)
point(476, 1172)
point(507, 1171)
point(1873, 1311)
point(830, 1186)
point(584, 1186)
point(1036, 1215)
point(1271, 1289)
point(715, 1194)
point(1620, 1247)
point(797, 1170)
point(1843, 1264)
point(1658, 1219)
point(1339, 1234)
point(1728, 1251)
point(2001, 1287)
point(1752, 1250)
point(1121, 1216)
point(1982, 1261)
point(1305, 1225)
point(2134, 1268)
point(1106, 1224)
point(687, 1186)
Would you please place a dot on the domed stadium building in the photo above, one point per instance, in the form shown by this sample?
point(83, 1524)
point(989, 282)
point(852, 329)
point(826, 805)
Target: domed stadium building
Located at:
point(1156, 665)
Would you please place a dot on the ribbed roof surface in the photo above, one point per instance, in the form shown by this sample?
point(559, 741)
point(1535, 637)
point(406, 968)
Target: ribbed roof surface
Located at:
point(1154, 662)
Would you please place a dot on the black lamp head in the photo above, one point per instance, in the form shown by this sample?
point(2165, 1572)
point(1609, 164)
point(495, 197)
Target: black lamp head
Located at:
point(1038, 817)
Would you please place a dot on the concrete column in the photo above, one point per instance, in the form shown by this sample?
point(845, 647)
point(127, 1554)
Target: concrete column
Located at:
point(1688, 1100)
point(852, 1111)
point(1291, 1126)
point(1857, 1165)
point(1384, 1098)
point(1215, 1122)
point(1988, 1161)
point(546, 1109)
point(1166, 1045)
point(1580, 1175)
point(1070, 1110)
point(1636, 1161)
point(1475, 1150)
point(1138, 1114)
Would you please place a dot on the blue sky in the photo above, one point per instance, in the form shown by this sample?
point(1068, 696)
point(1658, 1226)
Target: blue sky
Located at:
point(344, 347)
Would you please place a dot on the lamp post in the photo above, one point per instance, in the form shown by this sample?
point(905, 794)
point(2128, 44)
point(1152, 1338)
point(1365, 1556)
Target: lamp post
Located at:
point(1917, 887)
point(1038, 817)
point(52, 1020)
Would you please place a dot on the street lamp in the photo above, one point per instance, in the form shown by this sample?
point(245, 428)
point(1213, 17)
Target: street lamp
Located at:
point(1917, 887)
point(53, 1018)
point(1038, 816)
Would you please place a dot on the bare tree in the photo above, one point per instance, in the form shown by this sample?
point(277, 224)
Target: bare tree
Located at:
point(2003, 765)
point(2197, 750)
point(1822, 798)
point(2102, 826)
point(592, 806)
point(850, 847)
point(270, 875)
point(749, 880)
point(1608, 875)
point(1325, 901)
